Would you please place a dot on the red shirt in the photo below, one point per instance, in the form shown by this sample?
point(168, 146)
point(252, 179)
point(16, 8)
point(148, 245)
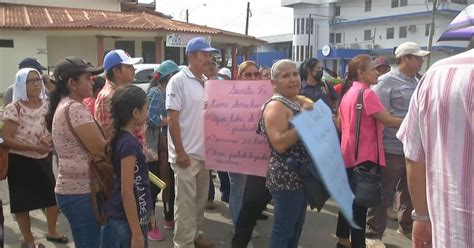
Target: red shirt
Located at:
point(367, 138)
point(90, 104)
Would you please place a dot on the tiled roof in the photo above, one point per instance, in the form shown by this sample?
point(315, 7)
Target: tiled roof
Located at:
point(17, 16)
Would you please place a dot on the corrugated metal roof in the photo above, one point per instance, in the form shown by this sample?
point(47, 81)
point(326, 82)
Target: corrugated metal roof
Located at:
point(17, 16)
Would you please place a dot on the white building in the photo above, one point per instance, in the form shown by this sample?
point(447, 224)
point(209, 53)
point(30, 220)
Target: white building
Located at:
point(346, 28)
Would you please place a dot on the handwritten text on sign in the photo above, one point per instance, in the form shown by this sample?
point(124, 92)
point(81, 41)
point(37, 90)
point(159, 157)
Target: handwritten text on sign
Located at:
point(231, 118)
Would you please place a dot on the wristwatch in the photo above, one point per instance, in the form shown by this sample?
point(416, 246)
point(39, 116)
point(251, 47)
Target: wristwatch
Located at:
point(415, 216)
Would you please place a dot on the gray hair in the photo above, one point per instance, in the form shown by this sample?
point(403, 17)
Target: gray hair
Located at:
point(276, 68)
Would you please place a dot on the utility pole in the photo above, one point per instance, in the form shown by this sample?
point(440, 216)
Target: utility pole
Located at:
point(247, 20)
point(187, 15)
point(432, 28)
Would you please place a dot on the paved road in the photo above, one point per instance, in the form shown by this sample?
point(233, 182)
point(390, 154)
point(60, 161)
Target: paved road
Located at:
point(319, 228)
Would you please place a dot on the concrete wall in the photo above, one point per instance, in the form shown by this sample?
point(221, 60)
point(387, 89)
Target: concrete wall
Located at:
point(109, 5)
point(26, 44)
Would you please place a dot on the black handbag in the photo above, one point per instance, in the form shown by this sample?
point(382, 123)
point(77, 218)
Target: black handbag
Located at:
point(314, 189)
point(367, 177)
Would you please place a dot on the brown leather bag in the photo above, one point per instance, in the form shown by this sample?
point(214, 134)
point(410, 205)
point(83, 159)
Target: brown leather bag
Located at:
point(101, 173)
point(4, 150)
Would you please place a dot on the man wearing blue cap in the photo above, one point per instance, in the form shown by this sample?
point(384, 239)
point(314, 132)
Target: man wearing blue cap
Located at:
point(119, 71)
point(185, 106)
point(25, 63)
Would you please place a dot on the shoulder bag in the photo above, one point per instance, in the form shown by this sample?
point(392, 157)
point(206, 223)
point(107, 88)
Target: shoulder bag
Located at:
point(367, 177)
point(100, 170)
point(4, 150)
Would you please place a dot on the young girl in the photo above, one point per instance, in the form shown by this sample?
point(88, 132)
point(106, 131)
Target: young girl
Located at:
point(130, 206)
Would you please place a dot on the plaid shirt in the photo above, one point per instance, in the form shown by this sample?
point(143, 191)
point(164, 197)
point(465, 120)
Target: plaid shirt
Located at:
point(103, 113)
point(156, 106)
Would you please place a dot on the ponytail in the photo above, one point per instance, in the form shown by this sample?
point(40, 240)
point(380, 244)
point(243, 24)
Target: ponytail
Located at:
point(60, 90)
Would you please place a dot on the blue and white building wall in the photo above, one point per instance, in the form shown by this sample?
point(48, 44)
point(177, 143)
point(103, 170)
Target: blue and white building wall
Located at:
point(351, 27)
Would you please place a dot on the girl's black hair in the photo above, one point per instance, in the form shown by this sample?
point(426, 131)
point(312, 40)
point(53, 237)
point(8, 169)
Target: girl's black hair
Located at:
point(124, 101)
point(55, 96)
point(306, 66)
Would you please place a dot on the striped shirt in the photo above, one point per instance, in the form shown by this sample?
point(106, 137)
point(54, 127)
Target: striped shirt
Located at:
point(439, 130)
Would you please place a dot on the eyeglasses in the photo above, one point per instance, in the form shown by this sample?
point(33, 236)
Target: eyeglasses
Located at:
point(250, 74)
point(317, 69)
point(34, 80)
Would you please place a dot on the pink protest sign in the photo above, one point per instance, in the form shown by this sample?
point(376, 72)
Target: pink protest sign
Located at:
point(230, 120)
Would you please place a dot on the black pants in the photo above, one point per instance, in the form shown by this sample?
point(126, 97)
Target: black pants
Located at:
point(168, 194)
point(344, 229)
point(224, 188)
point(256, 198)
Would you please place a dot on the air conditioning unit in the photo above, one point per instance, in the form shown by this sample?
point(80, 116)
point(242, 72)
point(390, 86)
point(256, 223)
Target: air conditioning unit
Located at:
point(376, 47)
point(355, 46)
point(369, 47)
point(412, 28)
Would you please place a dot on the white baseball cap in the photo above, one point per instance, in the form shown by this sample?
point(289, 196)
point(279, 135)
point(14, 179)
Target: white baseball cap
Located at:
point(410, 48)
point(226, 72)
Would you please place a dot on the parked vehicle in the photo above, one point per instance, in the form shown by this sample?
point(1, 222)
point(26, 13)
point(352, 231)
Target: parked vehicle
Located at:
point(143, 75)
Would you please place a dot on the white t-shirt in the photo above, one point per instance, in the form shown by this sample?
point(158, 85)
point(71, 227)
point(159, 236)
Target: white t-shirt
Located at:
point(185, 94)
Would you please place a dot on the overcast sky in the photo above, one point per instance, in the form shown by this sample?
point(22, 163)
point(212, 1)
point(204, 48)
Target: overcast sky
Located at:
point(268, 17)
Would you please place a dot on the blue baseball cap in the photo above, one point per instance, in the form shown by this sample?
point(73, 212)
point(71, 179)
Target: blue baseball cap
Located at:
point(116, 57)
point(166, 68)
point(199, 44)
point(31, 63)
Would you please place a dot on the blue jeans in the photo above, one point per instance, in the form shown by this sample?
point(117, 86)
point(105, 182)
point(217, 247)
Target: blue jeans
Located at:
point(79, 212)
point(236, 196)
point(117, 234)
point(289, 214)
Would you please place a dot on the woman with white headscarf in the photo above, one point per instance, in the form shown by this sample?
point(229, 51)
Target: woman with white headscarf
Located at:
point(30, 176)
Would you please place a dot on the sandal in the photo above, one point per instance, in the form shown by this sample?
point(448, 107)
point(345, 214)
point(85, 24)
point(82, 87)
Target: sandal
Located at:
point(59, 240)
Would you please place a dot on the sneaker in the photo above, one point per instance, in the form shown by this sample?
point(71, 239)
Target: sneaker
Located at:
point(169, 225)
point(155, 235)
point(210, 205)
point(374, 243)
point(255, 234)
point(201, 242)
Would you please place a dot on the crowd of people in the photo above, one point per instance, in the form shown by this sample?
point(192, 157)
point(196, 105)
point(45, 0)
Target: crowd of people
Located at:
point(419, 132)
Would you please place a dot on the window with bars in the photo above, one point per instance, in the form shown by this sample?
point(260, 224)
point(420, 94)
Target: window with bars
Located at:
point(390, 33)
point(394, 3)
point(402, 32)
point(368, 5)
point(6, 43)
point(297, 25)
point(302, 26)
point(338, 37)
point(301, 53)
point(337, 10)
point(331, 38)
point(367, 34)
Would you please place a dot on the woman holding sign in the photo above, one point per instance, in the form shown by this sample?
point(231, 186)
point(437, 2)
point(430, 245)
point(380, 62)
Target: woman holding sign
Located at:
point(283, 182)
point(248, 70)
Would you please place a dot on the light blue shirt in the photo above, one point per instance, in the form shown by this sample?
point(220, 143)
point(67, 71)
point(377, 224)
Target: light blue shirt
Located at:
point(395, 90)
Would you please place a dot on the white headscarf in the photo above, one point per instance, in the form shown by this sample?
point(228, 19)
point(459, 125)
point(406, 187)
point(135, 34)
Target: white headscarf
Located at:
point(19, 88)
